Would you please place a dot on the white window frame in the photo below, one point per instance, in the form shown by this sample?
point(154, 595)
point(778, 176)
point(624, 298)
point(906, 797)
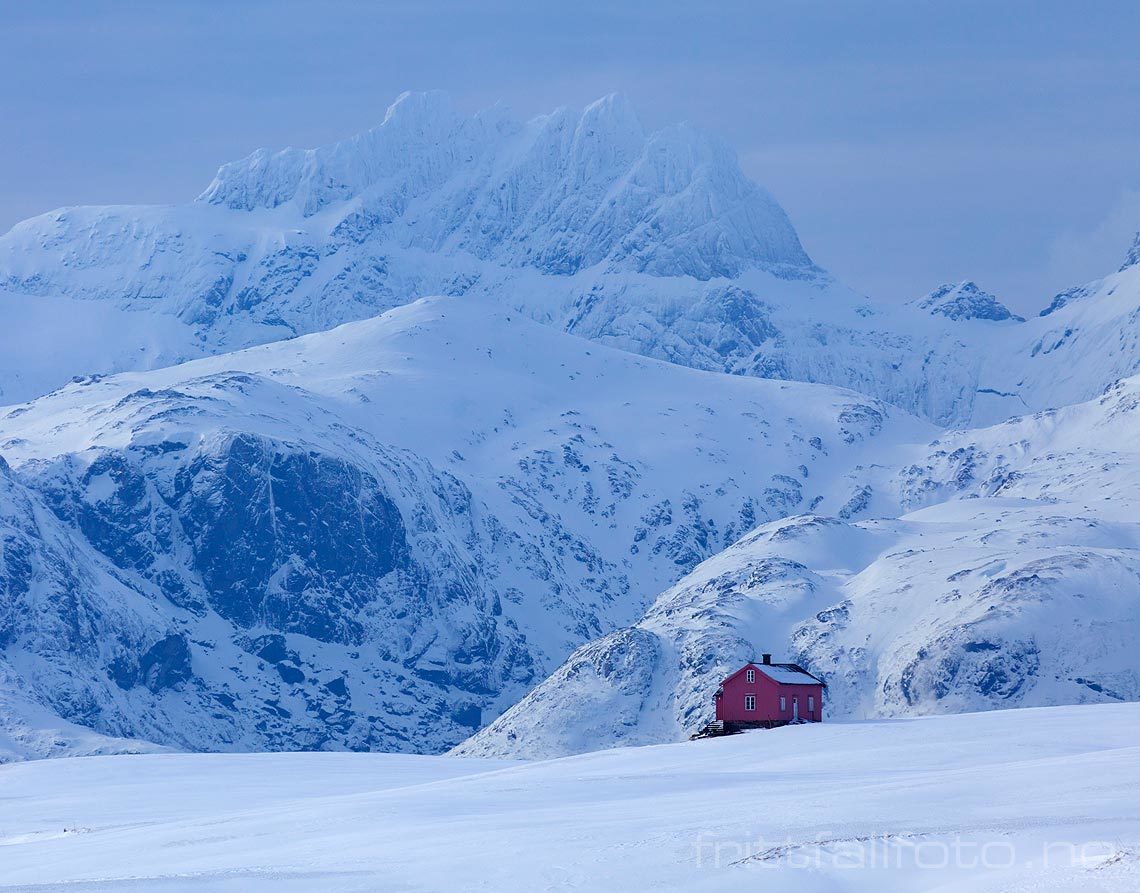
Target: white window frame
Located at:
point(811, 703)
point(750, 676)
point(750, 702)
point(783, 704)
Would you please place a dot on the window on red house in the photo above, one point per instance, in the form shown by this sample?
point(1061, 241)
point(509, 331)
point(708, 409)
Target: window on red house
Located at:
point(750, 675)
point(750, 702)
point(783, 703)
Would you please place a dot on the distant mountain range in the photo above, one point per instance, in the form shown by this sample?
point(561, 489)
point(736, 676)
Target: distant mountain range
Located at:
point(359, 447)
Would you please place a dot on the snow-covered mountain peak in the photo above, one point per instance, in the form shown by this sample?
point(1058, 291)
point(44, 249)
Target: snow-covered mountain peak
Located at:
point(612, 114)
point(561, 192)
point(653, 243)
point(965, 300)
point(1133, 256)
point(420, 108)
point(419, 136)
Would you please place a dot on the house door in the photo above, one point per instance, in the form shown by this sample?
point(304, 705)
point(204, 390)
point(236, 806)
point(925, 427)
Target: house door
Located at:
point(795, 709)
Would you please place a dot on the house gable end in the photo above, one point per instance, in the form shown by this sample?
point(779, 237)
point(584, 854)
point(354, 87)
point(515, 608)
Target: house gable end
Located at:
point(732, 676)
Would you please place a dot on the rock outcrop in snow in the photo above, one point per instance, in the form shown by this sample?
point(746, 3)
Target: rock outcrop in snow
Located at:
point(964, 300)
point(1133, 256)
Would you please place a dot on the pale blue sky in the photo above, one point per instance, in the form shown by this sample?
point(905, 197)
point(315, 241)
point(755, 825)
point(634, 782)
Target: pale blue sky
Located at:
point(912, 142)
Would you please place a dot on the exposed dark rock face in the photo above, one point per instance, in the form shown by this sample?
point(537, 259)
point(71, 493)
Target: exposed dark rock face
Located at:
point(964, 300)
point(293, 541)
point(301, 559)
point(166, 663)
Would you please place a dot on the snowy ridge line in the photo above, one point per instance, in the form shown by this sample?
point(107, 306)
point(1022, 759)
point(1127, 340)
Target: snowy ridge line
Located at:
point(652, 243)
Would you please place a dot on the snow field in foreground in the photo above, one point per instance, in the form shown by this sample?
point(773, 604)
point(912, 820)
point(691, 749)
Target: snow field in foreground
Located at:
point(1041, 799)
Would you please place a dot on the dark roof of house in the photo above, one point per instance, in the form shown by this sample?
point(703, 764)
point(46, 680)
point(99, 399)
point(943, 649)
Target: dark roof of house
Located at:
point(784, 674)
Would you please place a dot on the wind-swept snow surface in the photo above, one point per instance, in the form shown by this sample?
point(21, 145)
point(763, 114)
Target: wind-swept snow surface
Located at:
point(1042, 800)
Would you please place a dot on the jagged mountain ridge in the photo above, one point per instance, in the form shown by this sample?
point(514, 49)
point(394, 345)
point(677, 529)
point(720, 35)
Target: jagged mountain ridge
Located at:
point(560, 193)
point(383, 535)
point(653, 243)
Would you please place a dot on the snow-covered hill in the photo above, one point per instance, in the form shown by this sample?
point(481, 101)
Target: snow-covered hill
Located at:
point(29, 731)
point(383, 535)
point(1010, 577)
point(1041, 800)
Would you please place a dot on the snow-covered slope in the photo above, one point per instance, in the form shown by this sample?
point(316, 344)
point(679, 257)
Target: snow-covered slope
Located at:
point(1041, 800)
point(383, 535)
point(30, 731)
point(1086, 339)
point(46, 340)
point(63, 609)
point(1010, 577)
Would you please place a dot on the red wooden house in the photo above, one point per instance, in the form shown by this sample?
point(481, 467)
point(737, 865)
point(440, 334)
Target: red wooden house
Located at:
point(768, 694)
